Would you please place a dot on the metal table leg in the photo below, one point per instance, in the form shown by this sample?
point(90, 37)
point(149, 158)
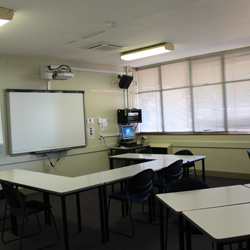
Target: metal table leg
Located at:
point(78, 206)
point(65, 224)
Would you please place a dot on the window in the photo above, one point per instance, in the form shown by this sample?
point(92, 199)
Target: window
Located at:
point(209, 93)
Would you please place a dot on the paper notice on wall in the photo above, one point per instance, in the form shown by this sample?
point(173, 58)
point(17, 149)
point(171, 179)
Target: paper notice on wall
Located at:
point(91, 133)
point(90, 121)
point(104, 124)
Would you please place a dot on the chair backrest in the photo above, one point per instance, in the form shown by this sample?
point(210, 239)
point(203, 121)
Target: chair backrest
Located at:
point(248, 152)
point(14, 198)
point(2, 196)
point(173, 172)
point(141, 182)
point(146, 151)
point(185, 152)
point(186, 184)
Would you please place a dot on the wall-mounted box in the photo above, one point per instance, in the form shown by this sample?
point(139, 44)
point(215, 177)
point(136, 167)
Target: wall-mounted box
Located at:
point(125, 116)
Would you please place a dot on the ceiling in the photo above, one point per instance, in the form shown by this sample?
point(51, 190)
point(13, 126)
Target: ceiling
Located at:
point(61, 29)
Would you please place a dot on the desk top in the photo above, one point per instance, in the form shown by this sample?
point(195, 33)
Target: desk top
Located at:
point(168, 157)
point(205, 198)
point(62, 185)
point(118, 174)
point(222, 224)
point(56, 184)
point(159, 145)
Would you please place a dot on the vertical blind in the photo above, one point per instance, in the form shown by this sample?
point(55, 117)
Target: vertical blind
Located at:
point(209, 93)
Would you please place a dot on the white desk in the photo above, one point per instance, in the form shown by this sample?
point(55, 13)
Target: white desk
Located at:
point(223, 225)
point(119, 174)
point(247, 185)
point(180, 202)
point(157, 158)
point(60, 186)
point(63, 186)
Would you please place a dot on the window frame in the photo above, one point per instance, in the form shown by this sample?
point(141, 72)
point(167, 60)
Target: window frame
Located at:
point(222, 57)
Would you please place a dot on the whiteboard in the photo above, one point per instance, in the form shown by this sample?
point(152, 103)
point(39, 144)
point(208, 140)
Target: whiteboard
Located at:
point(45, 120)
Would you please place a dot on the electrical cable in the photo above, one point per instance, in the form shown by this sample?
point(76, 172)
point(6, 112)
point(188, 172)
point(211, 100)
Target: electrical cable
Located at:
point(105, 143)
point(62, 67)
point(52, 165)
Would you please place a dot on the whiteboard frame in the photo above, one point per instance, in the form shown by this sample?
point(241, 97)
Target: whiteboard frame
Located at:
point(39, 104)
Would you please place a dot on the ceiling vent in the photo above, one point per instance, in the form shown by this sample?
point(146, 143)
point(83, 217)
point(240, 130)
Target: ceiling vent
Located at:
point(104, 47)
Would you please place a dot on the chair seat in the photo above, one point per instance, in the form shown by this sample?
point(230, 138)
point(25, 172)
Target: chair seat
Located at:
point(161, 183)
point(122, 196)
point(31, 207)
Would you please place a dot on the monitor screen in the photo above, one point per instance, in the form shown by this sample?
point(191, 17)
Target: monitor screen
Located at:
point(128, 132)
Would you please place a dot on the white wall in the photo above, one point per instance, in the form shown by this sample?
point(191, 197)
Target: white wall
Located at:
point(101, 101)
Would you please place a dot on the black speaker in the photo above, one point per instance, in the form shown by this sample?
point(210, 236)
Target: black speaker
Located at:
point(125, 81)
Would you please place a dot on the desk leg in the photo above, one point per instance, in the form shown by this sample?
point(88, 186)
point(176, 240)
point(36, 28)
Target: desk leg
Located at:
point(46, 213)
point(105, 209)
point(102, 214)
point(181, 232)
point(111, 166)
point(203, 169)
point(161, 227)
point(187, 169)
point(65, 224)
point(78, 206)
point(188, 236)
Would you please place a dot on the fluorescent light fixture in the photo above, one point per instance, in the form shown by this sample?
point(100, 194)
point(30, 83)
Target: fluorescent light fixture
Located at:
point(148, 51)
point(6, 15)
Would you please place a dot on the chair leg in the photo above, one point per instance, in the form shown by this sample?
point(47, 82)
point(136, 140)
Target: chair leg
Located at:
point(129, 208)
point(131, 220)
point(21, 236)
point(195, 172)
point(22, 230)
point(155, 202)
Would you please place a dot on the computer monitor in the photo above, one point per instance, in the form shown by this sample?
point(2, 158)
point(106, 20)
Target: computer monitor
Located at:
point(128, 132)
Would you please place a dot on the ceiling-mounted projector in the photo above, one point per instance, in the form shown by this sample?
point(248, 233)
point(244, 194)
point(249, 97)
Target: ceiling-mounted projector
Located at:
point(62, 75)
point(62, 72)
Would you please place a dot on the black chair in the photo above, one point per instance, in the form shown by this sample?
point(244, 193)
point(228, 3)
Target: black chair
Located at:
point(168, 175)
point(145, 151)
point(248, 152)
point(188, 165)
point(138, 189)
point(187, 184)
point(19, 207)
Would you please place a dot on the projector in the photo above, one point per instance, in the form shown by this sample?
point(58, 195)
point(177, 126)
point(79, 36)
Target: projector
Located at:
point(62, 75)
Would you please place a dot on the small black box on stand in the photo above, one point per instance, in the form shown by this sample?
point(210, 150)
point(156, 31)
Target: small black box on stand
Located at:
point(126, 116)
